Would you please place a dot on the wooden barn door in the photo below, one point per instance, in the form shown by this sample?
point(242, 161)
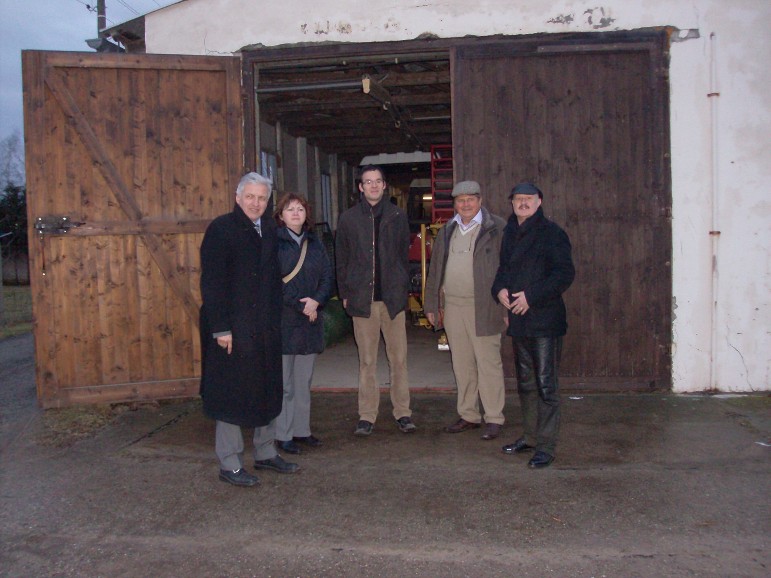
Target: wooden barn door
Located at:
point(128, 159)
point(589, 124)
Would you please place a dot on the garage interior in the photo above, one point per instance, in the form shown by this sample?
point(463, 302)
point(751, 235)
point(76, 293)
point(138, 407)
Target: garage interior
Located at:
point(387, 109)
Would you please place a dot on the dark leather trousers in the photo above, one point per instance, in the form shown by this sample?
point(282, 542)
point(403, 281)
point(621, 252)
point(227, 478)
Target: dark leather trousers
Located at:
point(538, 360)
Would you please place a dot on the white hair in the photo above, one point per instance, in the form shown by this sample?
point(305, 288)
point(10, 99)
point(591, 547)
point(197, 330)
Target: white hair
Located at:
point(255, 179)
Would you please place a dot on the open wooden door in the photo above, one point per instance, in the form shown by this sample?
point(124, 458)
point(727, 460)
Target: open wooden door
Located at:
point(586, 117)
point(128, 159)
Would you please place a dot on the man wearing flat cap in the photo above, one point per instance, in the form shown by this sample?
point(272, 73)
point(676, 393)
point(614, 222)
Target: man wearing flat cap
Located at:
point(536, 268)
point(464, 260)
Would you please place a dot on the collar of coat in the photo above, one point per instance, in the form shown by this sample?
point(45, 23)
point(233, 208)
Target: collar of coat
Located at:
point(384, 206)
point(530, 223)
point(283, 233)
point(486, 225)
point(266, 222)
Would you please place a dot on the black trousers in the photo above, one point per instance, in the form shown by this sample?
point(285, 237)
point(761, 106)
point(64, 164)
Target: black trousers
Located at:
point(538, 360)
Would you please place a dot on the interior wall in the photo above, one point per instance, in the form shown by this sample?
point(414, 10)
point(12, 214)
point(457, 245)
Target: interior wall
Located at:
point(289, 162)
point(313, 189)
point(299, 165)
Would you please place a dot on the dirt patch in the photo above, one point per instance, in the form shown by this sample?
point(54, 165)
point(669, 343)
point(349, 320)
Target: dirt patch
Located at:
point(66, 426)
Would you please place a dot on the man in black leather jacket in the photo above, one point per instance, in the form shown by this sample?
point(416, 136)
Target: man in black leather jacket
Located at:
point(536, 269)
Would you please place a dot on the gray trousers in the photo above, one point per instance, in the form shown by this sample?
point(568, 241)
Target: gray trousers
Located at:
point(295, 417)
point(229, 444)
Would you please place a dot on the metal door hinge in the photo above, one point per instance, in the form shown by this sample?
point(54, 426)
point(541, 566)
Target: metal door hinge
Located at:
point(54, 225)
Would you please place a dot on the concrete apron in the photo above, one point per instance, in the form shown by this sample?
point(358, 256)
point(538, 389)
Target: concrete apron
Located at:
point(337, 368)
point(643, 485)
point(430, 369)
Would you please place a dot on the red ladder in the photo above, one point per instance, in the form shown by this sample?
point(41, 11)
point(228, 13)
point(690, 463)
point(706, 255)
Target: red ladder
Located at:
point(441, 183)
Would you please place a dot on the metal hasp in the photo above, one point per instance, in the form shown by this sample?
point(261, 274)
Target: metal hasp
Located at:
point(54, 225)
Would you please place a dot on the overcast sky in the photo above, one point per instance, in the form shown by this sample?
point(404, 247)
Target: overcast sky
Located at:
point(50, 25)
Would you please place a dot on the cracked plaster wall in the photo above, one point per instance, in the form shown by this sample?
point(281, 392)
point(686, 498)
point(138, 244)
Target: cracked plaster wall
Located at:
point(739, 146)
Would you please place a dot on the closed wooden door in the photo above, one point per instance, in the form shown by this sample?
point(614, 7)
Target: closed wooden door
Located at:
point(589, 124)
point(128, 159)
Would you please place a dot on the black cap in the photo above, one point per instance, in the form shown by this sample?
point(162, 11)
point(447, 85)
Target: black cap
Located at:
point(526, 189)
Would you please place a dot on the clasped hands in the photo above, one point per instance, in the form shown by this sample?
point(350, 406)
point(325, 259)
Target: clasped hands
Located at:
point(514, 302)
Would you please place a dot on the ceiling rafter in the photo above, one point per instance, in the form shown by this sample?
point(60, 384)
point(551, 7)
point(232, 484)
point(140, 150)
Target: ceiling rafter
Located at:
point(359, 107)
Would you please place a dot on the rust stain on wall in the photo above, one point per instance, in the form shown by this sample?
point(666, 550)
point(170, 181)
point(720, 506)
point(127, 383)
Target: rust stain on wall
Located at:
point(324, 28)
point(393, 24)
point(596, 18)
point(561, 19)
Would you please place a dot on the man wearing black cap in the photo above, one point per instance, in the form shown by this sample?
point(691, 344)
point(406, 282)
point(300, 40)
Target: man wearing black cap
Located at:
point(464, 260)
point(536, 268)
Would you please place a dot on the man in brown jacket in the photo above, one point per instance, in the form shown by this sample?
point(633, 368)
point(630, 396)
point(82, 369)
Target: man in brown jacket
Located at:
point(464, 260)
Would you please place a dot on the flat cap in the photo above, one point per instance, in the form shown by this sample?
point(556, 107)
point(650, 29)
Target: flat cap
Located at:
point(466, 188)
point(526, 189)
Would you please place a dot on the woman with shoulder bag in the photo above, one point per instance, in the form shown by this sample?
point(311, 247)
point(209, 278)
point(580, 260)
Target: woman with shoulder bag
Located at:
point(308, 284)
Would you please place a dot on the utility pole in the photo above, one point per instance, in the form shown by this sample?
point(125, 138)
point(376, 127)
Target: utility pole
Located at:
point(101, 18)
point(100, 43)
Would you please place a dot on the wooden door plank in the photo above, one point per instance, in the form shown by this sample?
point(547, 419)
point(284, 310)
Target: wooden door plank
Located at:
point(105, 314)
point(149, 226)
point(115, 183)
point(137, 391)
point(588, 139)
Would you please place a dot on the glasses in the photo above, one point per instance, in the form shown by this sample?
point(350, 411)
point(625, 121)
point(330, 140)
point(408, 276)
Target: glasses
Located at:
point(370, 182)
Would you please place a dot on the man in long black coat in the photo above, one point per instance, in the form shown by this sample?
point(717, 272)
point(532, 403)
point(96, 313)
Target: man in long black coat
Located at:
point(241, 381)
point(536, 269)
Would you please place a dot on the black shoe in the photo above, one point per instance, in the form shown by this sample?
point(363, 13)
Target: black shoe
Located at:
point(239, 478)
point(518, 447)
point(363, 428)
point(540, 460)
point(277, 464)
point(405, 425)
point(289, 447)
point(311, 441)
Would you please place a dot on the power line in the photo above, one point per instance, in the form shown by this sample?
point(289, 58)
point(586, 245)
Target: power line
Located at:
point(125, 4)
point(90, 8)
point(128, 7)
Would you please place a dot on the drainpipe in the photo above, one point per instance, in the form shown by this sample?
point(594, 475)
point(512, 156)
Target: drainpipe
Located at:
point(714, 198)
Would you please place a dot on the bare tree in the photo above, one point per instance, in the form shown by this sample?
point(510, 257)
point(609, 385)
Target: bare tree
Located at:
point(12, 161)
point(13, 211)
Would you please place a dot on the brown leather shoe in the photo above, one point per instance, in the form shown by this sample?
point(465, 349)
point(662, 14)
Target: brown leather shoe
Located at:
point(461, 425)
point(492, 430)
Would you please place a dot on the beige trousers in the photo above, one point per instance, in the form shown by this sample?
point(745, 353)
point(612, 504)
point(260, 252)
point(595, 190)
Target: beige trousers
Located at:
point(477, 365)
point(367, 332)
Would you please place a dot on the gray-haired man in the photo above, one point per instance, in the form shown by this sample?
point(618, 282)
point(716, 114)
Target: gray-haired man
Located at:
point(241, 381)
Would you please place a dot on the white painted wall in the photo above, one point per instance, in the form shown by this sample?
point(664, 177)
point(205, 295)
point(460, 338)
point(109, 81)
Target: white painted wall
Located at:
point(721, 154)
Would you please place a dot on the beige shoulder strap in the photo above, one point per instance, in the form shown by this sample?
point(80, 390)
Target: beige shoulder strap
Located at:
point(290, 276)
